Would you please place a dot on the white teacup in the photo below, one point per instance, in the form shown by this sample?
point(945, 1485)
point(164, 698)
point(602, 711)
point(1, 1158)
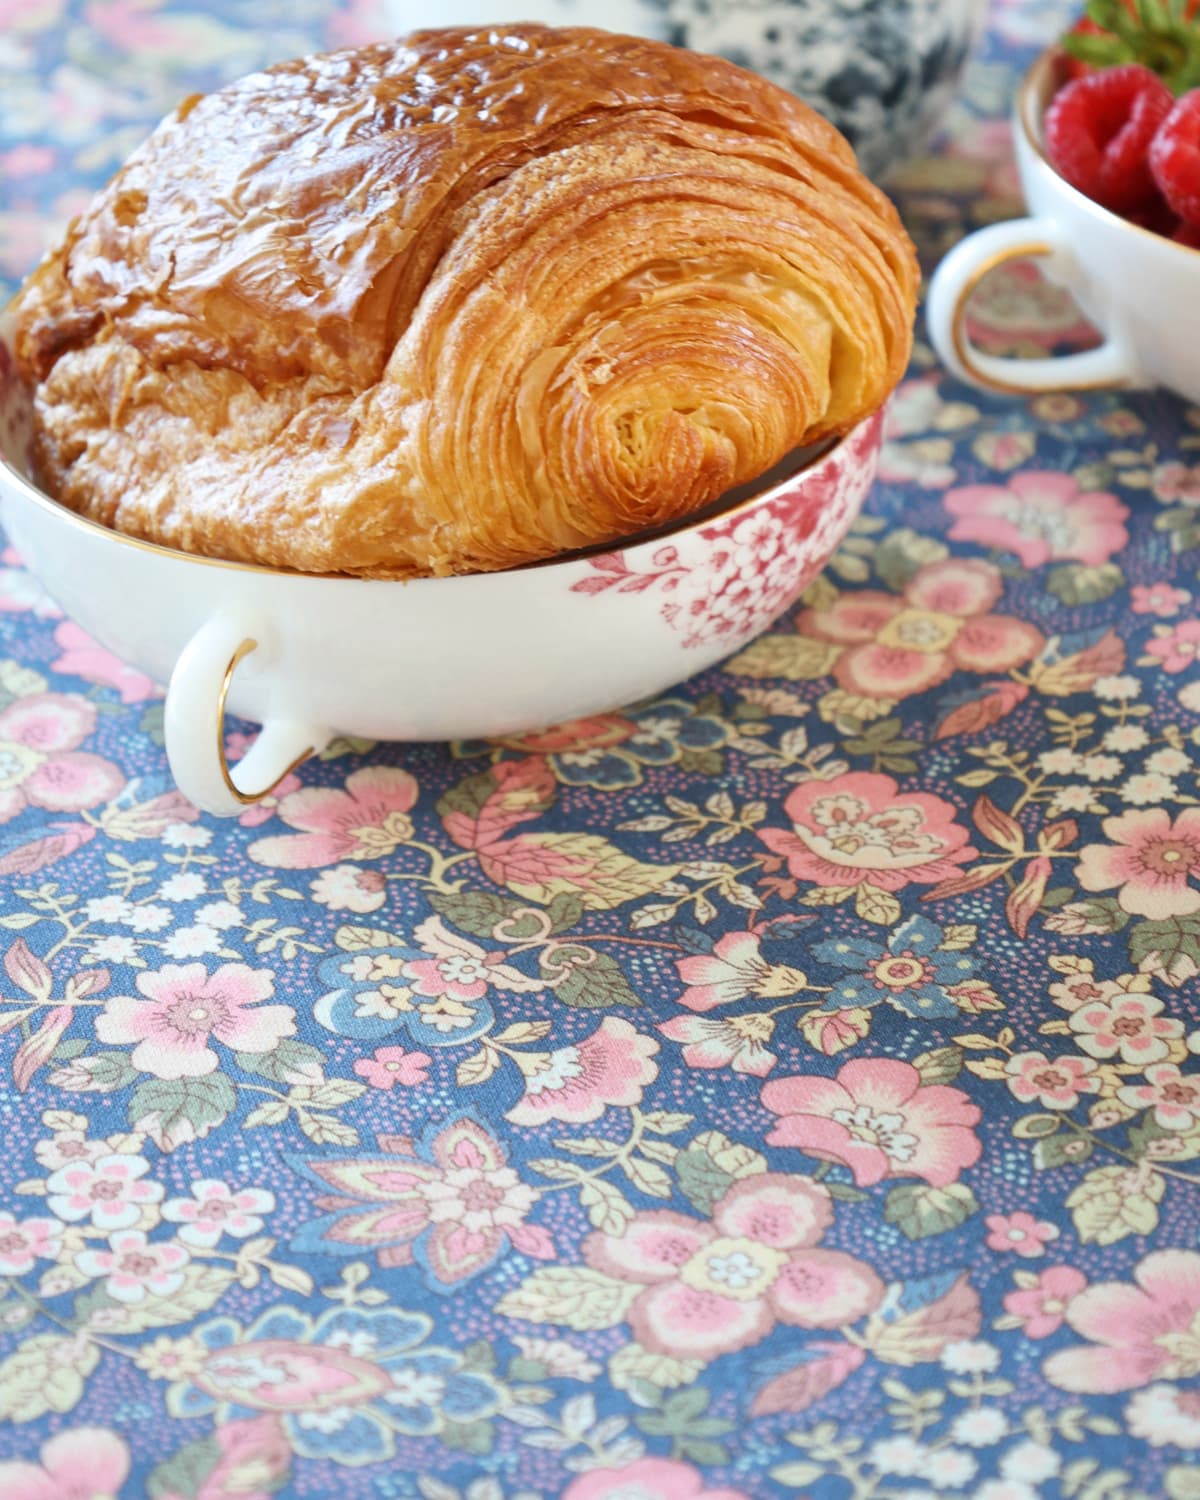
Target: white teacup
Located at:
point(1141, 290)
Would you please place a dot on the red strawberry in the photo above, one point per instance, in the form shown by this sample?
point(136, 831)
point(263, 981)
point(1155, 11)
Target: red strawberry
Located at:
point(1098, 132)
point(1175, 158)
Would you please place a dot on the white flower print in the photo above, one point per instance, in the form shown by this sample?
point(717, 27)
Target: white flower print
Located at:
point(108, 909)
point(191, 942)
point(134, 1268)
point(970, 1357)
point(220, 914)
point(187, 836)
point(215, 1209)
point(151, 917)
point(108, 1192)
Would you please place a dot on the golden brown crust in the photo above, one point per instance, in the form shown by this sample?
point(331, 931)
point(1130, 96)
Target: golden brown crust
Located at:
point(459, 302)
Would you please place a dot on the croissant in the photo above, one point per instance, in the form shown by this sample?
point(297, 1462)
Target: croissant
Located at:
point(459, 302)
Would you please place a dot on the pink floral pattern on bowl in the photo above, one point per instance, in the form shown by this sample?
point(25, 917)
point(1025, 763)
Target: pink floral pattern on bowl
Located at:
point(732, 579)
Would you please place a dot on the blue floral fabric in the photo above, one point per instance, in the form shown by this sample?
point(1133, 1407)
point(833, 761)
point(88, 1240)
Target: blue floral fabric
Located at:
point(786, 1087)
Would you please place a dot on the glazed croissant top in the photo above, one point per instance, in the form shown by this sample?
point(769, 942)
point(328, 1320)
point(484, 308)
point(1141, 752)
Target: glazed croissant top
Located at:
point(458, 302)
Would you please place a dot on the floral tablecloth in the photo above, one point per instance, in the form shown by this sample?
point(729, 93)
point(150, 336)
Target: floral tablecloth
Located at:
point(786, 1087)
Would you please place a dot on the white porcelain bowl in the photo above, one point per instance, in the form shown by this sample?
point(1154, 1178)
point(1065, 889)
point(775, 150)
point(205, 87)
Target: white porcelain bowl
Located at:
point(311, 657)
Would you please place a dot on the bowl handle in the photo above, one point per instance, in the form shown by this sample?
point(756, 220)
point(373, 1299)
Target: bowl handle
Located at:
point(194, 723)
point(961, 272)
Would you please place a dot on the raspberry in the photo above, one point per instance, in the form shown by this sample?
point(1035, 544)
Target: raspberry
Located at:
point(1175, 158)
point(1098, 133)
point(1188, 234)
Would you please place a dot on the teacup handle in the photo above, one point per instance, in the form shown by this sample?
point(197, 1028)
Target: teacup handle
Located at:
point(962, 270)
point(194, 723)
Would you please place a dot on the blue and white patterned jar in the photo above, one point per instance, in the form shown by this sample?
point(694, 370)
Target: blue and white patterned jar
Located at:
point(884, 71)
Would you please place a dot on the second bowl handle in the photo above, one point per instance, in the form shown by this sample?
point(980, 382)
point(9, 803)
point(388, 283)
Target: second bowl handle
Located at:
point(961, 272)
point(194, 723)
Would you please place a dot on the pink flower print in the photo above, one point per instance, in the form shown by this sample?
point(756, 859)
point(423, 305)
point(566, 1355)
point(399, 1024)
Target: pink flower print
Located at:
point(133, 1268)
point(40, 764)
point(1160, 599)
point(1020, 1233)
point(215, 1209)
point(1128, 1025)
point(860, 828)
point(878, 1119)
point(1042, 517)
point(1040, 1301)
point(459, 969)
point(734, 969)
point(82, 657)
point(475, 1202)
point(108, 1192)
point(713, 1288)
point(1173, 1096)
point(1137, 1333)
point(1151, 860)
point(182, 1009)
point(1176, 481)
point(895, 647)
point(577, 1084)
point(646, 1479)
point(389, 1066)
point(349, 888)
point(83, 1463)
point(23, 1241)
point(738, 1042)
point(1177, 650)
point(1054, 1084)
point(367, 820)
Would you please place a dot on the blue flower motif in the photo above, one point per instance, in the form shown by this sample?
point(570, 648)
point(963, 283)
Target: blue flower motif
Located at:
point(344, 1384)
point(371, 998)
point(912, 972)
point(665, 730)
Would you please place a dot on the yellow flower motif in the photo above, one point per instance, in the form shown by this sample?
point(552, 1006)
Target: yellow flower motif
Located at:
point(850, 711)
point(737, 1268)
point(1183, 1349)
point(753, 1028)
point(171, 1359)
point(920, 630)
point(377, 841)
point(779, 981)
point(446, 1014)
point(385, 966)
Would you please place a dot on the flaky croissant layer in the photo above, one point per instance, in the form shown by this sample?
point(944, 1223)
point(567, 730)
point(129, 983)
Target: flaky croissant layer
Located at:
point(459, 302)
